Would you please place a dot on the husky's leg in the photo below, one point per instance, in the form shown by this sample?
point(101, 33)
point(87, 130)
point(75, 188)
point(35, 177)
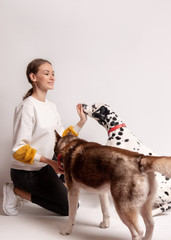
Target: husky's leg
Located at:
point(146, 213)
point(146, 210)
point(104, 201)
point(129, 212)
point(73, 195)
point(130, 219)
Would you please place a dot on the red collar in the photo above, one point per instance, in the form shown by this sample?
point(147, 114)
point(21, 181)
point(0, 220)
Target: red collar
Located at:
point(59, 158)
point(116, 127)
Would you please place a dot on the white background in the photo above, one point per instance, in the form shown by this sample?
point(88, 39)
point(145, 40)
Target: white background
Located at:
point(112, 51)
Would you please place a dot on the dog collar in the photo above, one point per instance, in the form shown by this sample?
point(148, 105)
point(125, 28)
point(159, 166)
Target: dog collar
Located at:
point(59, 158)
point(116, 127)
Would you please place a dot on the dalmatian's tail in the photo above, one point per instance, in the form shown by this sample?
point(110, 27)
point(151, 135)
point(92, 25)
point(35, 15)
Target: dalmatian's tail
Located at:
point(157, 164)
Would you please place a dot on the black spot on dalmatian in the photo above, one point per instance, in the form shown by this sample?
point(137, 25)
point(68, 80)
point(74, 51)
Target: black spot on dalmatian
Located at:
point(166, 178)
point(121, 129)
point(101, 122)
point(101, 115)
point(108, 119)
point(166, 193)
point(150, 154)
point(112, 123)
point(126, 140)
point(118, 138)
point(118, 143)
point(113, 134)
point(120, 133)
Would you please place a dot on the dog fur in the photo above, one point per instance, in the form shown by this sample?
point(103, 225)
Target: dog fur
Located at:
point(128, 175)
point(123, 138)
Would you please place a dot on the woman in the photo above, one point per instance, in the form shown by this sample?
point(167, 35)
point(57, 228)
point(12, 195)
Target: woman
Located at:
point(33, 172)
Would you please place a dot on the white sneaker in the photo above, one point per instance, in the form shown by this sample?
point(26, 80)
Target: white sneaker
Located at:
point(10, 200)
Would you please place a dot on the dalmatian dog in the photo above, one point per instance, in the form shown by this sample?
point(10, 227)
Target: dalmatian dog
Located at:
point(120, 136)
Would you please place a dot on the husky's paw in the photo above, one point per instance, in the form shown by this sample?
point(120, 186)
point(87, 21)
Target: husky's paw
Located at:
point(66, 231)
point(104, 224)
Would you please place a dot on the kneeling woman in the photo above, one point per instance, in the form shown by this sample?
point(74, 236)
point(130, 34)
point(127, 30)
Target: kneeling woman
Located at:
point(34, 172)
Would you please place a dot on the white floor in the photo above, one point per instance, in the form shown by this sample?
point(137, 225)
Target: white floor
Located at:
point(35, 223)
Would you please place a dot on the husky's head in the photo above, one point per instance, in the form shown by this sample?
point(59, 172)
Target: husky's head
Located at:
point(61, 142)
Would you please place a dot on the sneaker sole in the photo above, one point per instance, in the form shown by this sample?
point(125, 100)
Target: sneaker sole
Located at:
point(4, 201)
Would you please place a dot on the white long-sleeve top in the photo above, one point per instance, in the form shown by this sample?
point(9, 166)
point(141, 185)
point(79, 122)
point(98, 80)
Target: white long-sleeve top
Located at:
point(33, 133)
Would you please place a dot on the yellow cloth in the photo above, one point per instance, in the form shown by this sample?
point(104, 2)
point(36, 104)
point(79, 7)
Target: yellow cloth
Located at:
point(71, 130)
point(25, 154)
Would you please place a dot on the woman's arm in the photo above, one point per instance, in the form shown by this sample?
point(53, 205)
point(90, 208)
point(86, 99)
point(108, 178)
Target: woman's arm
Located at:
point(22, 134)
point(75, 130)
point(54, 164)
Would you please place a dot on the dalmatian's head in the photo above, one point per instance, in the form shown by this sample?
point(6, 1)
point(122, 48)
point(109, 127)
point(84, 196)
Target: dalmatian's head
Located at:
point(102, 113)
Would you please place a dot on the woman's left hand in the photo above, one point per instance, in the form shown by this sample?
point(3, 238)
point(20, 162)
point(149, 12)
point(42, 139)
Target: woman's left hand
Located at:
point(82, 115)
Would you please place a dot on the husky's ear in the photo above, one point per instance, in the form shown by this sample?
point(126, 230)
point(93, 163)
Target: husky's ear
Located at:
point(57, 136)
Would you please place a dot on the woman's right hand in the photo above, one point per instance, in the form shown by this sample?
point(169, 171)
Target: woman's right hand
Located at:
point(82, 115)
point(54, 164)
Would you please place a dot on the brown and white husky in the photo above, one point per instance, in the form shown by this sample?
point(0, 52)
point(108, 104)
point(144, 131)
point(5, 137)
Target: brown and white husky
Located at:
point(128, 175)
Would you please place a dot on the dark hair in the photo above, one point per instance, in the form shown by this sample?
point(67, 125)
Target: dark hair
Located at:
point(33, 67)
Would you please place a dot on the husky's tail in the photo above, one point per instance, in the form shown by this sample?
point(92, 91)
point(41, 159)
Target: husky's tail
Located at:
point(157, 164)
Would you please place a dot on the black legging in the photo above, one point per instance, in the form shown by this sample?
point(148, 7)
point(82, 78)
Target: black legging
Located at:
point(46, 188)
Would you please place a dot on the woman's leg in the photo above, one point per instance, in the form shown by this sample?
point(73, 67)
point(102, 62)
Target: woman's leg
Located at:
point(22, 194)
point(45, 188)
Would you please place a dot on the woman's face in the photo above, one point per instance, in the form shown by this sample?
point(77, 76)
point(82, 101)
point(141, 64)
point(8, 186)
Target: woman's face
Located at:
point(44, 79)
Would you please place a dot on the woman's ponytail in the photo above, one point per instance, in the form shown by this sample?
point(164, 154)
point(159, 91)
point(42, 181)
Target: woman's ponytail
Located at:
point(28, 94)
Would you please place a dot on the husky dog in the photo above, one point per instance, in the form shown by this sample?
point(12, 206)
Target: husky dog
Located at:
point(128, 175)
point(120, 136)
